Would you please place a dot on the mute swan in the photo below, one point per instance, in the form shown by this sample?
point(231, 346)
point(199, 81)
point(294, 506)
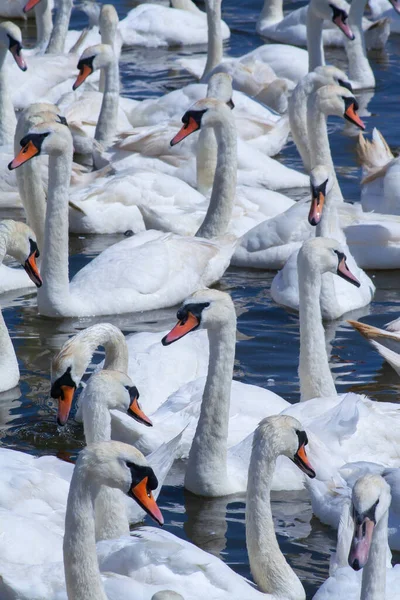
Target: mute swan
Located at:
point(18, 241)
point(152, 25)
point(132, 561)
point(13, 9)
point(129, 265)
point(381, 175)
point(269, 244)
point(291, 28)
point(368, 551)
point(336, 297)
point(135, 355)
point(385, 341)
point(379, 10)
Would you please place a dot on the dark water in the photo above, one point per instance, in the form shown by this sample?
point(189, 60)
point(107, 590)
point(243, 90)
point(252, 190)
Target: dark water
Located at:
point(267, 349)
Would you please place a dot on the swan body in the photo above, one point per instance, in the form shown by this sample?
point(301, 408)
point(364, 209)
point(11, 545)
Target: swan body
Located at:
point(152, 25)
point(291, 28)
point(131, 559)
point(337, 297)
point(368, 550)
point(211, 256)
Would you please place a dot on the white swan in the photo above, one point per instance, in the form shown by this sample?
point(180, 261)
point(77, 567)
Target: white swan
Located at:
point(18, 241)
point(152, 25)
point(291, 28)
point(367, 523)
point(379, 10)
point(381, 175)
point(183, 264)
point(337, 297)
point(269, 244)
point(128, 561)
point(385, 341)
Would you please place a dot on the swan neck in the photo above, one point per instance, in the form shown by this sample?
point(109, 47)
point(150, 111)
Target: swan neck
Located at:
point(80, 559)
point(60, 28)
point(55, 291)
point(373, 586)
point(272, 12)
point(108, 31)
point(268, 566)
point(329, 224)
point(360, 71)
point(219, 211)
point(215, 43)
point(9, 370)
point(314, 373)
point(8, 121)
point(208, 453)
point(106, 127)
point(206, 160)
point(315, 45)
point(297, 110)
point(44, 25)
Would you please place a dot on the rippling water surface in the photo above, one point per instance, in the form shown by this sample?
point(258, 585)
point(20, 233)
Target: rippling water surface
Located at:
point(268, 336)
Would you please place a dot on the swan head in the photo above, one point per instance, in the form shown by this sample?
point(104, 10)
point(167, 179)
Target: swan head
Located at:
point(205, 309)
point(208, 112)
point(328, 74)
point(321, 183)
point(284, 435)
point(11, 38)
point(220, 87)
point(370, 503)
point(324, 255)
point(71, 362)
point(21, 244)
point(93, 58)
point(108, 17)
point(120, 466)
point(338, 101)
point(117, 392)
point(52, 138)
point(335, 11)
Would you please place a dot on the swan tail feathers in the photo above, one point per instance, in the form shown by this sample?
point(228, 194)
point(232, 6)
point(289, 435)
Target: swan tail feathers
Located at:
point(375, 156)
point(161, 460)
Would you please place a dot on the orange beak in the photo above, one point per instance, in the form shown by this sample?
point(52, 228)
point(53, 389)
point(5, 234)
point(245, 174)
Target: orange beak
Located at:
point(344, 272)
point(25, 154)
point(181, 329)
point(301, 460)
point(19, 59)
point(64, 404)
point(145, 499)
point(353, 117)
point(317, 204)
point(30, 4)
point(83, 75)
point(186, 130)
point(136, 412)
point(32, 269)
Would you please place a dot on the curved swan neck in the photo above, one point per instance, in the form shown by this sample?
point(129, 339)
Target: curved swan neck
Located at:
point(222, 198)
point(206, 160)
point(9, 370)
point(272, 12)
point(360, 71)
point(55, 292)
point(207, 461)
point(269, 568)
point(297, 109)
point(215, 43)
point(8, 121)
point(30, 186)
point(315, 45)
point(108, 31)
point(320, 152)
point(44, 25)
point(107, 124)
point(314, 373)
point(60, 28)
point(373, 586)
point(113, 342)
point(81, 568)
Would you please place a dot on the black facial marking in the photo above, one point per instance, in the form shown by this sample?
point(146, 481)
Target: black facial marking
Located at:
point(316, 190)
point(62, 120)
point(195, 309)
point(33, 248)
point(231, 104)
point(138, 473)
point(338, 12)
point(133, 391)
point(66, 379)
point(302, 437)
point(14, 45)
point(346, 84)
point(349, 101)
point(197, 115)
point(37, 139)
point(86, 61)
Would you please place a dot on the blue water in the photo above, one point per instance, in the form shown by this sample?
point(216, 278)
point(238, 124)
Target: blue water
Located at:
point(268, 340)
